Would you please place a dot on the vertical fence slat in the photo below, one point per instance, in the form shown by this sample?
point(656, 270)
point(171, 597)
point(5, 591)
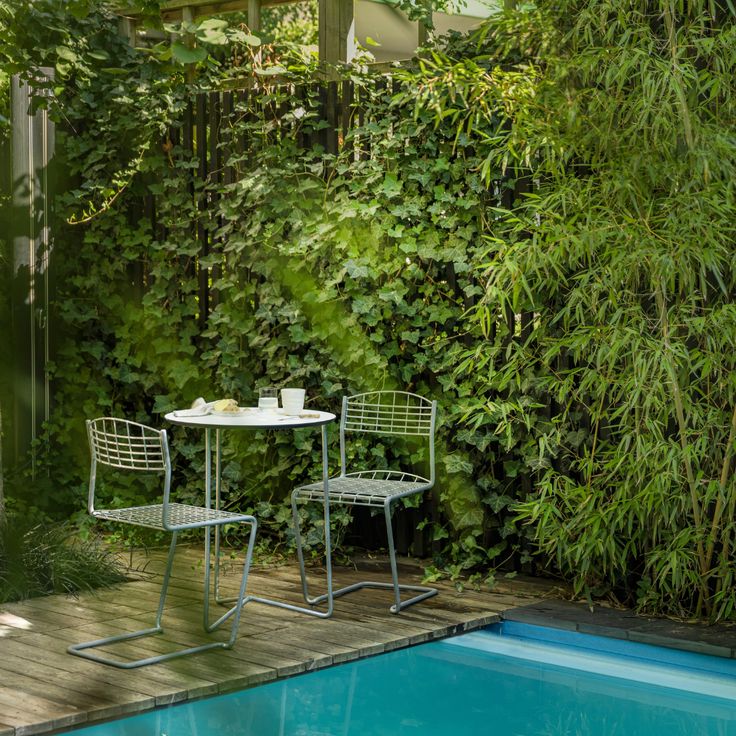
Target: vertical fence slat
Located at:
point(215, 177)
point(202, 233)
point(187, 144)
point(226, 123)
point(330, 115)
point(347, 111)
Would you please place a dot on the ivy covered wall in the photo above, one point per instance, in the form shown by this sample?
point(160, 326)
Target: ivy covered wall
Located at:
point(341, 272)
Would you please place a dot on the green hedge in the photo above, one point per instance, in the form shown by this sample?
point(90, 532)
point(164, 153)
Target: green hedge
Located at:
point(624, 252)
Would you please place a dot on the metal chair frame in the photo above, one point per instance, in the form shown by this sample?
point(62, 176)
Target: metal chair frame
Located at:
point(130, 446)
point(386, 413)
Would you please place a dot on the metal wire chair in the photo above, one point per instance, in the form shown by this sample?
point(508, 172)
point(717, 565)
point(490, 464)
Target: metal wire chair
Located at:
point(129, 446)
point(385, 413)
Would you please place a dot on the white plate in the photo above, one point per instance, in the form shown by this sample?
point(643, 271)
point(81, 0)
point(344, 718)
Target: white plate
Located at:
point(239, 413)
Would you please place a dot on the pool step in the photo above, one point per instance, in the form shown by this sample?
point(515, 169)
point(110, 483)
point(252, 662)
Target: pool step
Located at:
point(658, 666)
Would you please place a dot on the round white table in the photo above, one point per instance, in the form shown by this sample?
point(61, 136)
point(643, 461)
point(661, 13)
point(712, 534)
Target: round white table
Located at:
point(253, 419)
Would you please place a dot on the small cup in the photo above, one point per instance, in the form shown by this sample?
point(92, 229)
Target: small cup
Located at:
point(292, 400)
point(268, 399)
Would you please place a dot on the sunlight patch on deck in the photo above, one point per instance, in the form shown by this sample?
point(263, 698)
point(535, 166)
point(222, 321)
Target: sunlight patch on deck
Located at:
point(10, 623)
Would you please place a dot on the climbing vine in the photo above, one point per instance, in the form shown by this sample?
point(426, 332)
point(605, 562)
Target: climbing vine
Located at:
point(340, 272)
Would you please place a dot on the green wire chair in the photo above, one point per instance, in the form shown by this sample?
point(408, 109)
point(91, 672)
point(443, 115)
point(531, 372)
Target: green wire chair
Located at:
point(384, 413)
point(131, 447)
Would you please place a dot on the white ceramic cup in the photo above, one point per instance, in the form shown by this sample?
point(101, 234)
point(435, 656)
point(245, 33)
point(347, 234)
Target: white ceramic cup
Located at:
point(292, 400)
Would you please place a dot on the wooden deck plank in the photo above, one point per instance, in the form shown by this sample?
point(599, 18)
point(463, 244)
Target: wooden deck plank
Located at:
point(47, 689)
point(156, 681)
point(29, 713)
point(49, 620)
point(80, 689)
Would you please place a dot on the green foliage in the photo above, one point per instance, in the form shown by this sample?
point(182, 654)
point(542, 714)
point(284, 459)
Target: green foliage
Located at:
point(340, 273)
point(620, 397)
point(39, 559)
point(295, 23)
point(333, 278)
point(579, 338)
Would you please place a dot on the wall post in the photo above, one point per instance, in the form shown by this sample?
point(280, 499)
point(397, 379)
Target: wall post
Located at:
point(336, 31)
point(32, 144)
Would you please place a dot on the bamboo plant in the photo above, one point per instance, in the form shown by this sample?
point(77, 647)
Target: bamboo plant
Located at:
point(621, 393)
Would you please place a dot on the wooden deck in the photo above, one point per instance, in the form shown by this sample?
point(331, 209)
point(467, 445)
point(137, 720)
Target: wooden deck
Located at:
point(42, 688)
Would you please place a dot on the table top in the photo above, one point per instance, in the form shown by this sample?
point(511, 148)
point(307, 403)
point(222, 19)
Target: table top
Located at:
point(251, 418)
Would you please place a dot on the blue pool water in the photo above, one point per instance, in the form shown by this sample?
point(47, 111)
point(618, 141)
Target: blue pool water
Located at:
point(508, 680)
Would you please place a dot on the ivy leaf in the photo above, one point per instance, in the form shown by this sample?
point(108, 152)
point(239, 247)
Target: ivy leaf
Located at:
point(212, 31)
point(217, 38)
point(213, 24)
point(270, 71)
point(457, 464)
point(64, 52)
point(356, 270)
point(246, 38)
point(163, 404)
point(391, 186)
point(187, 55)
point(182, 372)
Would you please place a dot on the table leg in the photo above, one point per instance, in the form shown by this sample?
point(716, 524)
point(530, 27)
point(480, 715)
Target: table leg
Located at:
point(218, 486)
point(208, 530)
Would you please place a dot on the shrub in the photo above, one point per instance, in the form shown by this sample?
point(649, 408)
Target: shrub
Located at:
point(40, 559)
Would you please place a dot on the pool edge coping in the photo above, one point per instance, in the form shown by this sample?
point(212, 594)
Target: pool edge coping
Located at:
point(638, 635)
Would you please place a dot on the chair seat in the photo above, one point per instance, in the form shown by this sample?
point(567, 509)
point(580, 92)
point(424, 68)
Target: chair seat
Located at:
point(366, 489)
point(180, 515)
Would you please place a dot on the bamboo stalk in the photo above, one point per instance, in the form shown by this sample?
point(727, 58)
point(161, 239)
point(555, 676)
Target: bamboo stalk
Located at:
point(731, 510)
point(682, 432)
point(726, 550)
point(725, 471)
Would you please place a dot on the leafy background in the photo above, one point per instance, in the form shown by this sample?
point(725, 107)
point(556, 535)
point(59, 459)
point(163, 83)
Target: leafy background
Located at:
point(533, 224)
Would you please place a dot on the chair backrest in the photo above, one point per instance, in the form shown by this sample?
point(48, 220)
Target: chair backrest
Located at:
point(389, 413)
point(126, 445)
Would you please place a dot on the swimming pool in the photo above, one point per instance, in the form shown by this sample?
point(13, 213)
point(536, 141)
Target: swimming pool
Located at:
point(508, 680)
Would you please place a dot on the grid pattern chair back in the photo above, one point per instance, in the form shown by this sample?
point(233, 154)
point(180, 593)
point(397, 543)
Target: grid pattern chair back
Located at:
point(120, 443)
point(388, 412)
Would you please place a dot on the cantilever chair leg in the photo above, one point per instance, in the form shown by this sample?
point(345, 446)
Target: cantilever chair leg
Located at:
point(82, 650)
point(241, 599)
point(302, 568)
point(424, 591)
point(399, 605)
